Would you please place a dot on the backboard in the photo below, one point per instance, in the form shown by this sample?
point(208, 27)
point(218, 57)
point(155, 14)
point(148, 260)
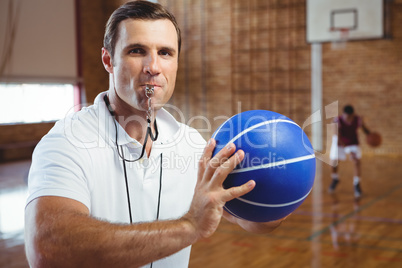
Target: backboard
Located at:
point(327, 20)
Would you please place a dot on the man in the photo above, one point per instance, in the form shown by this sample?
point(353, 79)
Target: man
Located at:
point(347, 143)
point(104, 187)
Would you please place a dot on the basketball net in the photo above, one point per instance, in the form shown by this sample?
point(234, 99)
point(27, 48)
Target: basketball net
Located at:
point(340, 37)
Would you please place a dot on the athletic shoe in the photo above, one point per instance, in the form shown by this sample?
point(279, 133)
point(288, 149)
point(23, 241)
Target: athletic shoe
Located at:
point(333, 185)
point(358, 191)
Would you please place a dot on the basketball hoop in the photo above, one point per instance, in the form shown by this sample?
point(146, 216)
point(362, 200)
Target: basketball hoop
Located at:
point(339, 37)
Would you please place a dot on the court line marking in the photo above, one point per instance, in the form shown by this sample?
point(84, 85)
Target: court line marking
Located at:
point(361, 218)
point(300, 239)
point(314, 235)
point(351, 214)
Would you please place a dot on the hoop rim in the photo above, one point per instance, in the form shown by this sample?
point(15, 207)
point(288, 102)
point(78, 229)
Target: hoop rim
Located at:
point(340, 29)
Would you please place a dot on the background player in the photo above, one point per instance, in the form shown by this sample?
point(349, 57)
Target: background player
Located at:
point(347, 142)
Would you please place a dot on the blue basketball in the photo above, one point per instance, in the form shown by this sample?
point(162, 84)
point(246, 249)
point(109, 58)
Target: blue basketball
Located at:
point(278, 157)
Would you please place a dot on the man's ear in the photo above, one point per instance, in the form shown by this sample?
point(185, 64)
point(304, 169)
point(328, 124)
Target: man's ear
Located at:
point(107, 60)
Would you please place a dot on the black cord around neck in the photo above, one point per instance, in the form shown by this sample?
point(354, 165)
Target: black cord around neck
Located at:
point(127, 190)
point(124, 160)
point(160, 188)
point(147, 133)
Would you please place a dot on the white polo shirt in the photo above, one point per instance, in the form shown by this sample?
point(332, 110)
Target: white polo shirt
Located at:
point(78, 159)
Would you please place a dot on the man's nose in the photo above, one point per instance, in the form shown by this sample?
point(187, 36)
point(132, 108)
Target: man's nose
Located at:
point(152, 65)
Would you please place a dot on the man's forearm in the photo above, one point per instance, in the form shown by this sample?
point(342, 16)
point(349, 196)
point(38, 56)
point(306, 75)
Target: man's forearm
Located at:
point(72, 239)
point(137, 244)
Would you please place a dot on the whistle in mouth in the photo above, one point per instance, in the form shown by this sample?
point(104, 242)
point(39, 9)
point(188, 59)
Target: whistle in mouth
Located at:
point(149, 90)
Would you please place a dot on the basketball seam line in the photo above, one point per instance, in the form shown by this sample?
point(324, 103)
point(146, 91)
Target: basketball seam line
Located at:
point(233, 214)
point(217, 131)
point(261, 124)
point(273, 205)
point(252, 127)
point(274, 164)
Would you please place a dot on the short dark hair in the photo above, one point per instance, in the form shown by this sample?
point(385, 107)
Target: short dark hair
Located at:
point(348, 109)
point(140, 10)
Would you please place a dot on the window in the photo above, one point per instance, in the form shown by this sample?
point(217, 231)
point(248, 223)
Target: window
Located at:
point(12, 203)
point(32, 103)
point(38, 60)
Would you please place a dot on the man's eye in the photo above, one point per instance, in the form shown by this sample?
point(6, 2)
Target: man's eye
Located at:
point(136, 51)
point(165, 53)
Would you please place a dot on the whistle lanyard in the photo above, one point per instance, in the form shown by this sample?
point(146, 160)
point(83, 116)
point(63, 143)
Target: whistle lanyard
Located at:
point(148, 93)
point(148, 131)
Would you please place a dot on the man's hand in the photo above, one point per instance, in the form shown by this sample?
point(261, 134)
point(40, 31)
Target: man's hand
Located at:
point(209, 198)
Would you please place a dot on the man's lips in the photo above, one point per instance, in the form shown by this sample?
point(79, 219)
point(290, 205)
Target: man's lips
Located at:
point(150, 84)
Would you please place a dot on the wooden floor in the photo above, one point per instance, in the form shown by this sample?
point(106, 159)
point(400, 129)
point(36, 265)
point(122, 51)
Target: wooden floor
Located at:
point(326, 231)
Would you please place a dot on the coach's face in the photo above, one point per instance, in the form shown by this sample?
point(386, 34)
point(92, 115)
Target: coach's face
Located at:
point(146, 52)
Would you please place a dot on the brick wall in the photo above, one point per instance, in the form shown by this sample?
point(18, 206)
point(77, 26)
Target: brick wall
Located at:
point(93, 16)
point(18, 141)
point(240, 55)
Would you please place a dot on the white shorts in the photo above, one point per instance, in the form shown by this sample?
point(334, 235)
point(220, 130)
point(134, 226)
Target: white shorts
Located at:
point(340, 152)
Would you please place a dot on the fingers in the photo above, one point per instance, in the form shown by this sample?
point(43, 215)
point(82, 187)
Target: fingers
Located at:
point(216, 169)
point(223, 163)
point(223, 171)
point(238, 191)
point(206, 156)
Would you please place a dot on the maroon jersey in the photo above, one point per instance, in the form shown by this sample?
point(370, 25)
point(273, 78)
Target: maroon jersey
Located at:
point(348, 131)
